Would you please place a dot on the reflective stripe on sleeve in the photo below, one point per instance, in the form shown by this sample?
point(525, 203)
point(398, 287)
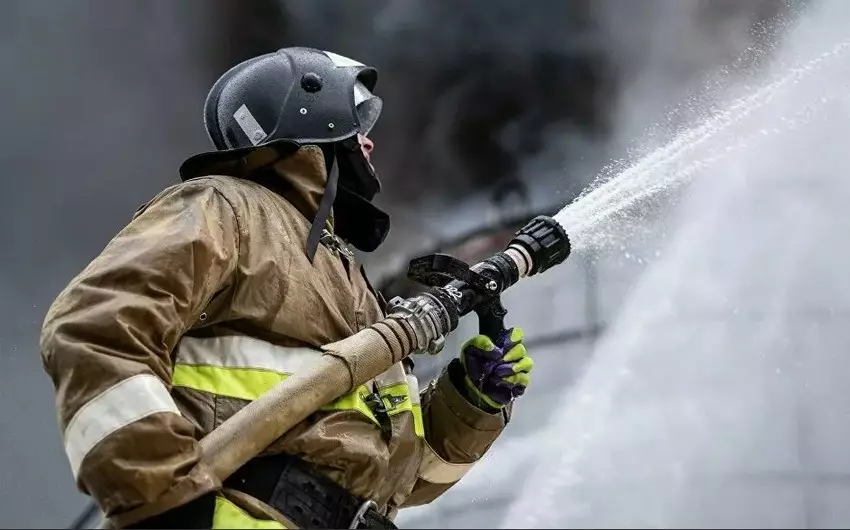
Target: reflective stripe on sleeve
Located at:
point(246, 368)
point(400, 398)
point(355, 401)
point(242, 383)
point(116, 407)
point(237, 366)
point(436, 470)
point(418, 425)
point(241, 351)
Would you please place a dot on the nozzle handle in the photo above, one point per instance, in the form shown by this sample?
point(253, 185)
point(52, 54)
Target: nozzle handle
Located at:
point(491, 319)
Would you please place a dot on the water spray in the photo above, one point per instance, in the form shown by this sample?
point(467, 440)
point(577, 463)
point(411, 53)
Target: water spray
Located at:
point(418, 324)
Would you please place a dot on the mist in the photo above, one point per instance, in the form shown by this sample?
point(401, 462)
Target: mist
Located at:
point(546, 97)
point(717, 397)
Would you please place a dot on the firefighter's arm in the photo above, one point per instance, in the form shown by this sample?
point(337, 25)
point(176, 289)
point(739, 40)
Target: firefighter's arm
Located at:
point(106, 344)
point(466, 410)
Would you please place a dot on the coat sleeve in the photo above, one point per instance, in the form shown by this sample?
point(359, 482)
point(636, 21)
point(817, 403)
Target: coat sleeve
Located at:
point(457, 434)
point(106, 344)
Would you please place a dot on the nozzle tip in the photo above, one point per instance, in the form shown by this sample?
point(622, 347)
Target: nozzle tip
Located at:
point(545, 241)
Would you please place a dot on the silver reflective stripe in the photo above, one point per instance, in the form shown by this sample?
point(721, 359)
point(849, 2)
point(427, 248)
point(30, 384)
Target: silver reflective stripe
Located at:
point(393, 376)
point(116, 407)
point(413, 385)
point(340, 61)
point(437, 471)
point(249, 124)
point(239, 351)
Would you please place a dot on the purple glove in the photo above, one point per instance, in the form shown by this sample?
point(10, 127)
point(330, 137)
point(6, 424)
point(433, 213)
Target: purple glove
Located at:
point(496, 373)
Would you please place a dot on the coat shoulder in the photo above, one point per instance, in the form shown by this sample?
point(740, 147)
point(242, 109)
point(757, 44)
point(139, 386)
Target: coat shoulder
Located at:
point(257, 208)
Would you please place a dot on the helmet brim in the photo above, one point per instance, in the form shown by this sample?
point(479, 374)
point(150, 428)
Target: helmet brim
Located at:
point(204, 164)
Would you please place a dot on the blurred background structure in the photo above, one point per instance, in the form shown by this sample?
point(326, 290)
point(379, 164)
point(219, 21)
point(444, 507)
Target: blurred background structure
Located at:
point(495, 110)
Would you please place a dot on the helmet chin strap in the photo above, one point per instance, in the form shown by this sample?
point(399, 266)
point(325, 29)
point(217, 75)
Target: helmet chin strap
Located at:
point(325, 206)
point(351, 185)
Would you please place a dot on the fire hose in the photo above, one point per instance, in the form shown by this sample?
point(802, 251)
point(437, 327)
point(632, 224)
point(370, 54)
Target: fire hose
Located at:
point(415, 325)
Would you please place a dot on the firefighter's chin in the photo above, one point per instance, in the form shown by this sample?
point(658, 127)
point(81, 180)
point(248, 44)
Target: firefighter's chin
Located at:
point(366, 146)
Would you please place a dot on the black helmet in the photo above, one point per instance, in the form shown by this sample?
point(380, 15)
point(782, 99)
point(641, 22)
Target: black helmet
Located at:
point(304, 96)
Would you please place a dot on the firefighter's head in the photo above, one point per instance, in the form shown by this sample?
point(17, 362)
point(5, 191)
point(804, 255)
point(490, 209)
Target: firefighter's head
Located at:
point(309, 97)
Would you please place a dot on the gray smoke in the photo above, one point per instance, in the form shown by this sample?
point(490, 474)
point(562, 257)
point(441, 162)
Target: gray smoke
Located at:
point(482, 95)
point(476, 88)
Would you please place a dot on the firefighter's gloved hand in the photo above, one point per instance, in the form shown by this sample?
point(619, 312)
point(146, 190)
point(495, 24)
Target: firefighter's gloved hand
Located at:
point(496, 373)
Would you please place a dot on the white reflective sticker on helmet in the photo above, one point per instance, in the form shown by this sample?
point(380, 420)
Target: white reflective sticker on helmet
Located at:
point(361, 93)
point(340, 61)
point(252, 129)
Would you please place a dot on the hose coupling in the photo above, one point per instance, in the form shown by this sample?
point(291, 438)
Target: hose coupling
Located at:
point(427, 318)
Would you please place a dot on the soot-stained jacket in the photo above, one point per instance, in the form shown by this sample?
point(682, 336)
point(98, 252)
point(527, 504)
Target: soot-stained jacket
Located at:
point(204, 301)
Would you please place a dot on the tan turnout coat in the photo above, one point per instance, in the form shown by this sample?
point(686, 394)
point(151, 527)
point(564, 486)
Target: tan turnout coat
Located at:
point(200, 304)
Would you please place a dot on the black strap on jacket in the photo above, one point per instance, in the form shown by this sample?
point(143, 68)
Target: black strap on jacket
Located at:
point(310, 500)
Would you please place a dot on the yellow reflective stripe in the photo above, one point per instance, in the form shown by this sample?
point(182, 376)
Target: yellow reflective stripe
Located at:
point(236, 366)
point(418, 425)
point(246, 368)
point(396, 398)
point(242, 383)
point(250, 384)
point(355, 401)
point(231, 517)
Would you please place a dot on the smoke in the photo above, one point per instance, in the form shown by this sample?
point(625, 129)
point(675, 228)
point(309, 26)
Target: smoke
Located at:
point(471, 89)
point(480, 95)
point(475, 89)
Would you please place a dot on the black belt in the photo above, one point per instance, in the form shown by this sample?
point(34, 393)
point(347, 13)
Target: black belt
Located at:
point(310, 500)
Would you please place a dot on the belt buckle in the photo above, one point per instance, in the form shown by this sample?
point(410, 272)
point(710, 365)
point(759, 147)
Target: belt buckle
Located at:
point(378, 403)
point(375, 403)
point(361, 512)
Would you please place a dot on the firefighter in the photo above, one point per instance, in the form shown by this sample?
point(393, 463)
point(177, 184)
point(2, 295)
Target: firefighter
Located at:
point(225, 284)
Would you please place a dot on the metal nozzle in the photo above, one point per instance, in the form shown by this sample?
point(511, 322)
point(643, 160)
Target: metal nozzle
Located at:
point(539, 245)
point(457, 288)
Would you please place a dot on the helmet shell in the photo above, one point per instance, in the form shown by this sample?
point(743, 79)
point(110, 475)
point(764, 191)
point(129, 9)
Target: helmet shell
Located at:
point(304, 95)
